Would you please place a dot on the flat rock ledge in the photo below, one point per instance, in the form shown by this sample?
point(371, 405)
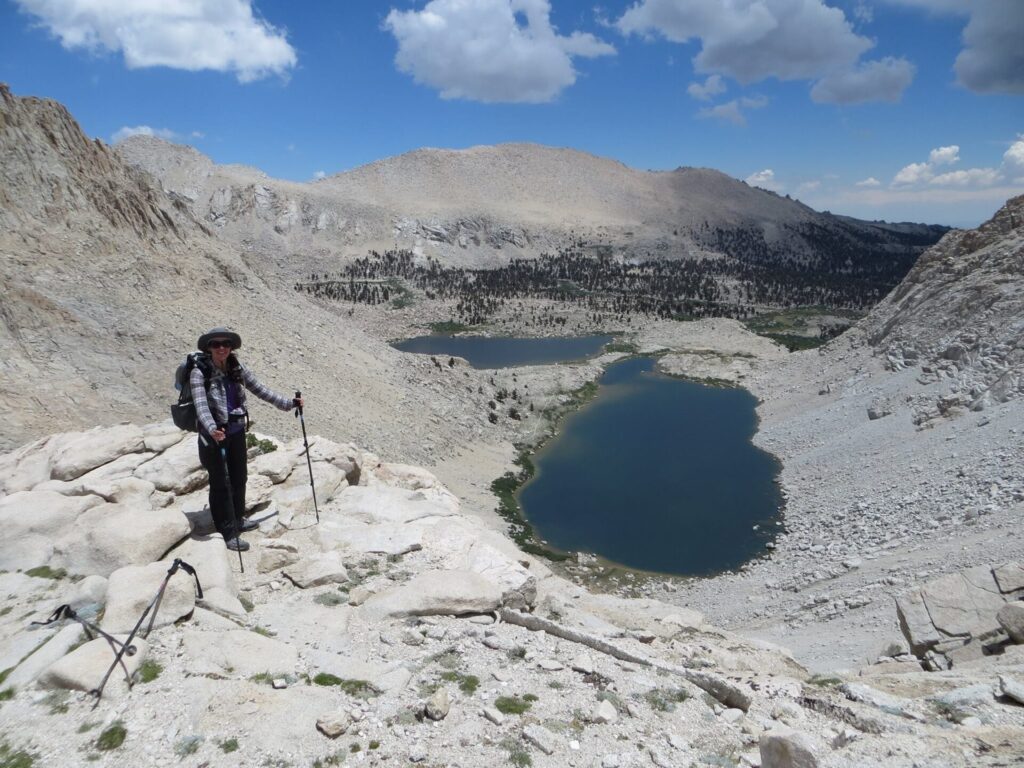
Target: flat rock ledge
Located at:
point(399, 630)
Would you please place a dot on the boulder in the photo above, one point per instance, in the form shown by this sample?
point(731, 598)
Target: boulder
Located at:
point(604, 713)
point(208, 555)
point(915, 623)
point(276, 466)
point(110, 536)
point(384, 504)
point(126, 490)
point(317, 570)
point(1011, 619)
point(441, 593)
point(28, 466)
point(35, 664)
point(334, 725)
point(92, 590)
point(83, 669)
point(176, 470)
point(1011, 689)
point(296, 495)
point(438, 706)
point(131, 589)
point(275, 554)
point(161, 436)
point(405, 476)
point(237, 652)
point(518, 586)
point(964, 603)
point(94, 448)
point(31, 520)
point(783, 747)
point(1009, 577)
point(382, 538)
point(540, 737)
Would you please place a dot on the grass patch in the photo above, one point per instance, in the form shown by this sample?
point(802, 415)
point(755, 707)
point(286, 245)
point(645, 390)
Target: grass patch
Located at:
point(513, 705)
point(467, 683)
point(4, 674)
point(328, 760)
point(613, 698)
point(556, 684)
point(264, 678)
point(149, 671)
point(518, 653)
point(57, 702)
point(262, 631)
point(112, 737)
point(824, 681)
point(626, 347)
point(449, 659)
point(518, 755)
point(246, 603)
point(6, 609)
point(665, 699)
point(264, 446)
point(46, 572)
point(449, 327)
point(188, 746)
point(6, 694)
point(356, 688)
point(86, 727)
point(14, 758)
point(331, 599)
point(228, 746)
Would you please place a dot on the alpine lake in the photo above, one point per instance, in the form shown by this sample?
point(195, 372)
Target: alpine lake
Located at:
point(655, 473)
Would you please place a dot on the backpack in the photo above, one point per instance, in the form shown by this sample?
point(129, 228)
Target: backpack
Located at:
point(183, 413)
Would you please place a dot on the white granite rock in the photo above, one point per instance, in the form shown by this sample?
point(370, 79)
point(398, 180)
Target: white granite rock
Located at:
point(317, 570)
point(95, 448)
point(443, 593)
point(132, 588)
point(238, 653)
point(83, 669)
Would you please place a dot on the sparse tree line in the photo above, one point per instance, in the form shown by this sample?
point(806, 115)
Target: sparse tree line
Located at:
point(808, 266)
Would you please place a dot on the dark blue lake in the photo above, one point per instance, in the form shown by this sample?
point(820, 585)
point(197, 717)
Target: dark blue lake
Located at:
point(502, 352)
point(657, 474)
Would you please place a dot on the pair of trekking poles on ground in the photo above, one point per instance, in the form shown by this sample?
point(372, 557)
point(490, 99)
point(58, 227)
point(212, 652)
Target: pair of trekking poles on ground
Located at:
point(309, 464)
point(122, 649)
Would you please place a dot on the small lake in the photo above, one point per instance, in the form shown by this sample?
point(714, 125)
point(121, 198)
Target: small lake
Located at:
point(506, 352)
point(657, 474)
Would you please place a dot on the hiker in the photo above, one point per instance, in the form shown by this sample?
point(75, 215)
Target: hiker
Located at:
point(222, 421)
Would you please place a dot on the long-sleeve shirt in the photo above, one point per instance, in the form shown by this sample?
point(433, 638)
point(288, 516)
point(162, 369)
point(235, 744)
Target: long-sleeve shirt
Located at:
point(212, 411)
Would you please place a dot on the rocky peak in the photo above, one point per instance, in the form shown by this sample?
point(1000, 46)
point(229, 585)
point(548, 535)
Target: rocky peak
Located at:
point(959, 315)
point(53, 173)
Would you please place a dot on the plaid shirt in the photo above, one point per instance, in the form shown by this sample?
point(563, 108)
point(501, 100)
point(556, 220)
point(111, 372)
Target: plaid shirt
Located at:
point(213, 411)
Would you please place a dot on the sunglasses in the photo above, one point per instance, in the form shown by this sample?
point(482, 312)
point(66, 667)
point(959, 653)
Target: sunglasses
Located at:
point(218, 343)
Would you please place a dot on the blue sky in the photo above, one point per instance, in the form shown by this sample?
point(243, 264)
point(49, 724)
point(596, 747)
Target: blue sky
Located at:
point(894, 109)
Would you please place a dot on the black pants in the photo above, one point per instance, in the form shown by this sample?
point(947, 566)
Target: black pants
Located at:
point(210, 458)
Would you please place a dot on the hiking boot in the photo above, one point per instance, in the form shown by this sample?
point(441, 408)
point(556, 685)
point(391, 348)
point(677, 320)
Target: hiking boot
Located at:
point(245, 525)
point(236, 544)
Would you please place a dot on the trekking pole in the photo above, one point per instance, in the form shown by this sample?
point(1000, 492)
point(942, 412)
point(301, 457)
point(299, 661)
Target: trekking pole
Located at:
point(67, 612)
point(127, 647)
point(231, 502)
point(309, 462)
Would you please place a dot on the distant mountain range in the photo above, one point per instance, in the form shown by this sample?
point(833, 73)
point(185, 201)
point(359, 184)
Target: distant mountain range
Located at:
point(485, 205)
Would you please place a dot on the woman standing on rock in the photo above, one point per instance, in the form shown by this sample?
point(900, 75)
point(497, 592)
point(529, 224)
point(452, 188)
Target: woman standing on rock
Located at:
point(219, 397)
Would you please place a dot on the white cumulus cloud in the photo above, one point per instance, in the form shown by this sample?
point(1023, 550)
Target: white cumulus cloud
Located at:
point(870, 181)
point(1010, 171)
point(705, 91)
point(732, 111)
point(764, 179)
point(221, 35)
point(489, 50)
point(142, 130)
point(992, 57)
point(883, 80)
point(752, 40)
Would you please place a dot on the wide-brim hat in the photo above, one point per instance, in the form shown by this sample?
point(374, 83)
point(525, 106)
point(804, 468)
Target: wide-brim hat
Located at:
point(219, 333)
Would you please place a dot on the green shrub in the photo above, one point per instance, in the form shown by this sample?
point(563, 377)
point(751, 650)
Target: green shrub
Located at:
point(512, 705)
point(46, 572)
point(149, 671)
point(14, 758)
point(228, 746)
point(665, 699)
point(112, 737)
